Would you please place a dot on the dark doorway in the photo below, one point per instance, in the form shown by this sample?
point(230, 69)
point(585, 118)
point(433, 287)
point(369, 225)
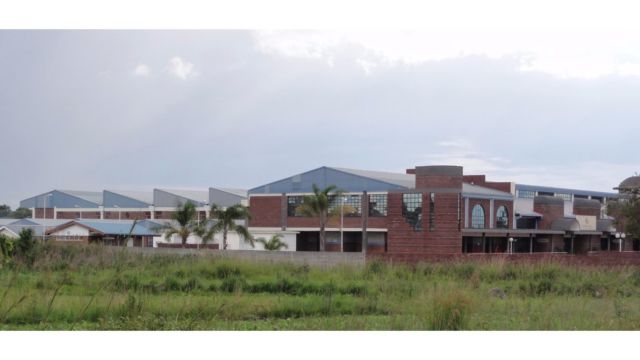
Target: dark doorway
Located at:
point(308, 241)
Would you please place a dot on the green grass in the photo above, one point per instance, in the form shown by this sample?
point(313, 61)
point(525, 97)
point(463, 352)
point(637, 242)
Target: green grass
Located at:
point(94, 288)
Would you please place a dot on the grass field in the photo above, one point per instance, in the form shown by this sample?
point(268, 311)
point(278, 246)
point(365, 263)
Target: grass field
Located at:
point(89, 288)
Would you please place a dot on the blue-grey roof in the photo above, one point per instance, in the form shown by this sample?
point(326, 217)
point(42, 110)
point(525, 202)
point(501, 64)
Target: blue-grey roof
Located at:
point(226, 197)
point(565, 191)
point(175, 197)
point(64, 199)
point(475, 191)
point(127, 199)
point(112, 227)
point(345, 179)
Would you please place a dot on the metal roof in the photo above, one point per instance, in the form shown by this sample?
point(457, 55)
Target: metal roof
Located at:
point(238, 192)
point(91, 196)
point(195, 195)
point(565, 190)
point(142, 196)
point(404, 180)
point(108, 227)
point(349, 180)
point(471, 190)
point(565, 224)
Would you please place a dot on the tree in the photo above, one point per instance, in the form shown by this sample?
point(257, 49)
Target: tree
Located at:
point(6, 248)
point(5, 211)
point(21, 213)
point(275, 243)
point(318, 205)
point(185, 216)
point(25, 242)
point(225, 221)
point(626, 211)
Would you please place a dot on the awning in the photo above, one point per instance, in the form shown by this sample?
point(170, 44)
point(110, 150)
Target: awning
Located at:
point(531, 214)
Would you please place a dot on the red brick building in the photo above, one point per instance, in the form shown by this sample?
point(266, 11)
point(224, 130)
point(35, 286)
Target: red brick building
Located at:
point(431, 210)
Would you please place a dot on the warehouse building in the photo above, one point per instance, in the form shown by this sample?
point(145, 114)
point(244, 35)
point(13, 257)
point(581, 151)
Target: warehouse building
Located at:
point(436, 210)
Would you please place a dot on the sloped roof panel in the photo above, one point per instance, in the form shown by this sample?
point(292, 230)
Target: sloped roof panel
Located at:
point(351, 181)
point(127, 199)
point(470, 190)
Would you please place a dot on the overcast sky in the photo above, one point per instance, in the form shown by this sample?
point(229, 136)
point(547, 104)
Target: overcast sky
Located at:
point(91, 110)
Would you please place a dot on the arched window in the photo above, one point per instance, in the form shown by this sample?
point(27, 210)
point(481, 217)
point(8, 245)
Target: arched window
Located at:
point(502, 218)
point(477, 217)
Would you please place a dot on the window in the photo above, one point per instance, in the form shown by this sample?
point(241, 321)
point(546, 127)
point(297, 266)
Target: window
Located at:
point(544, 193)
point(502, 218)
point(293, 203)
point(378, 205)
point(432, 211)
point(526, 194)
point(477, 217)
point(565, 197)
point(412, 210)
point(352, 204)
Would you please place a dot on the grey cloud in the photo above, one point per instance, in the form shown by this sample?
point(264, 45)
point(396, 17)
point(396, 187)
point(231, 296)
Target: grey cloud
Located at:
point(72, 115)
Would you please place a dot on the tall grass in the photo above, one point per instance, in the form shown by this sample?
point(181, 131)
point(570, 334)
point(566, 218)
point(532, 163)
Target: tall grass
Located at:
point(92, 287)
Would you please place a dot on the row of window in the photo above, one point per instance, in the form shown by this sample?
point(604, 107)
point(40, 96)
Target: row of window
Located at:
point(352, 205)
point(528, 194)
point(411, 209)
point(477, 217)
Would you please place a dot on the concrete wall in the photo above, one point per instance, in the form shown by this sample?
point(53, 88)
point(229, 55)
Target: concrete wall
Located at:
point(327, 259)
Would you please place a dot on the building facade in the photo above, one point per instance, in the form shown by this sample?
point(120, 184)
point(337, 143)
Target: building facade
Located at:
point(436, 210)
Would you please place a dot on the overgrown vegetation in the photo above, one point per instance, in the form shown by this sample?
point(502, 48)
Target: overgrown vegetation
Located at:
point(94, 287)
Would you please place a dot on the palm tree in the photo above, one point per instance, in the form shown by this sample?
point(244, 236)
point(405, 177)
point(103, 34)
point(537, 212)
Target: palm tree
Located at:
point(226, 221)
point(185, 216)
point(318, 205)
point(275, 243)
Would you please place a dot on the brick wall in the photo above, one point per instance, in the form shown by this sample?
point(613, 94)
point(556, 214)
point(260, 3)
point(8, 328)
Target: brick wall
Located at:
point(550, 212)
point(266, 211)
point(39, 213)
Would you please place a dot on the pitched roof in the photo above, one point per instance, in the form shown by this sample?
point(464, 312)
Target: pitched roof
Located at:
point(91, 196)
point(143, 196)
point(400, 179)
point(108, 227)
point(196, 195)
point(237, 192)
point(468, 189)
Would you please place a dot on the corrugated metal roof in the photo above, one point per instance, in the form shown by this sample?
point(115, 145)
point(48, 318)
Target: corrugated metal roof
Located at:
point(565, 224)
point(117, 227)
point(238, 192)
point(91, 196)
point(528, 214)
point(6, 221)
point(405, 180)
point(144, 196)
point(195, 195)
point(468, 189)
point(565, 190)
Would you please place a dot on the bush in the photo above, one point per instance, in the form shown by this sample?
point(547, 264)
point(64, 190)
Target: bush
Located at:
point(450, 312)
point(233, 284)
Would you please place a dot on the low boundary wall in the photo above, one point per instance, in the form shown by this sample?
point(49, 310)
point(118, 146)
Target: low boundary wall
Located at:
point(311, 258)
point(625, 258)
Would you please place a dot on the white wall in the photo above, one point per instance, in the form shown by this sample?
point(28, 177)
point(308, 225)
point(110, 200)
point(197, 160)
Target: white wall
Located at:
point(74, 230)
point(233, 240)
point(7, 233)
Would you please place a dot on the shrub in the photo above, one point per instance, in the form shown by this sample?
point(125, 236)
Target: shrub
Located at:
point(450, 312)
point(224, 271)
point(233, 284)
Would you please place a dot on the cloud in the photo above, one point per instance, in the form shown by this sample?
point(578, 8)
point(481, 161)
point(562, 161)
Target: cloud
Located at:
point(142, 70)
point(566, 54)
point(589, 175)
point(181, 68)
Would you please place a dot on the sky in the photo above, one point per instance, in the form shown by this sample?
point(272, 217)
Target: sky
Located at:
point(93, 110)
